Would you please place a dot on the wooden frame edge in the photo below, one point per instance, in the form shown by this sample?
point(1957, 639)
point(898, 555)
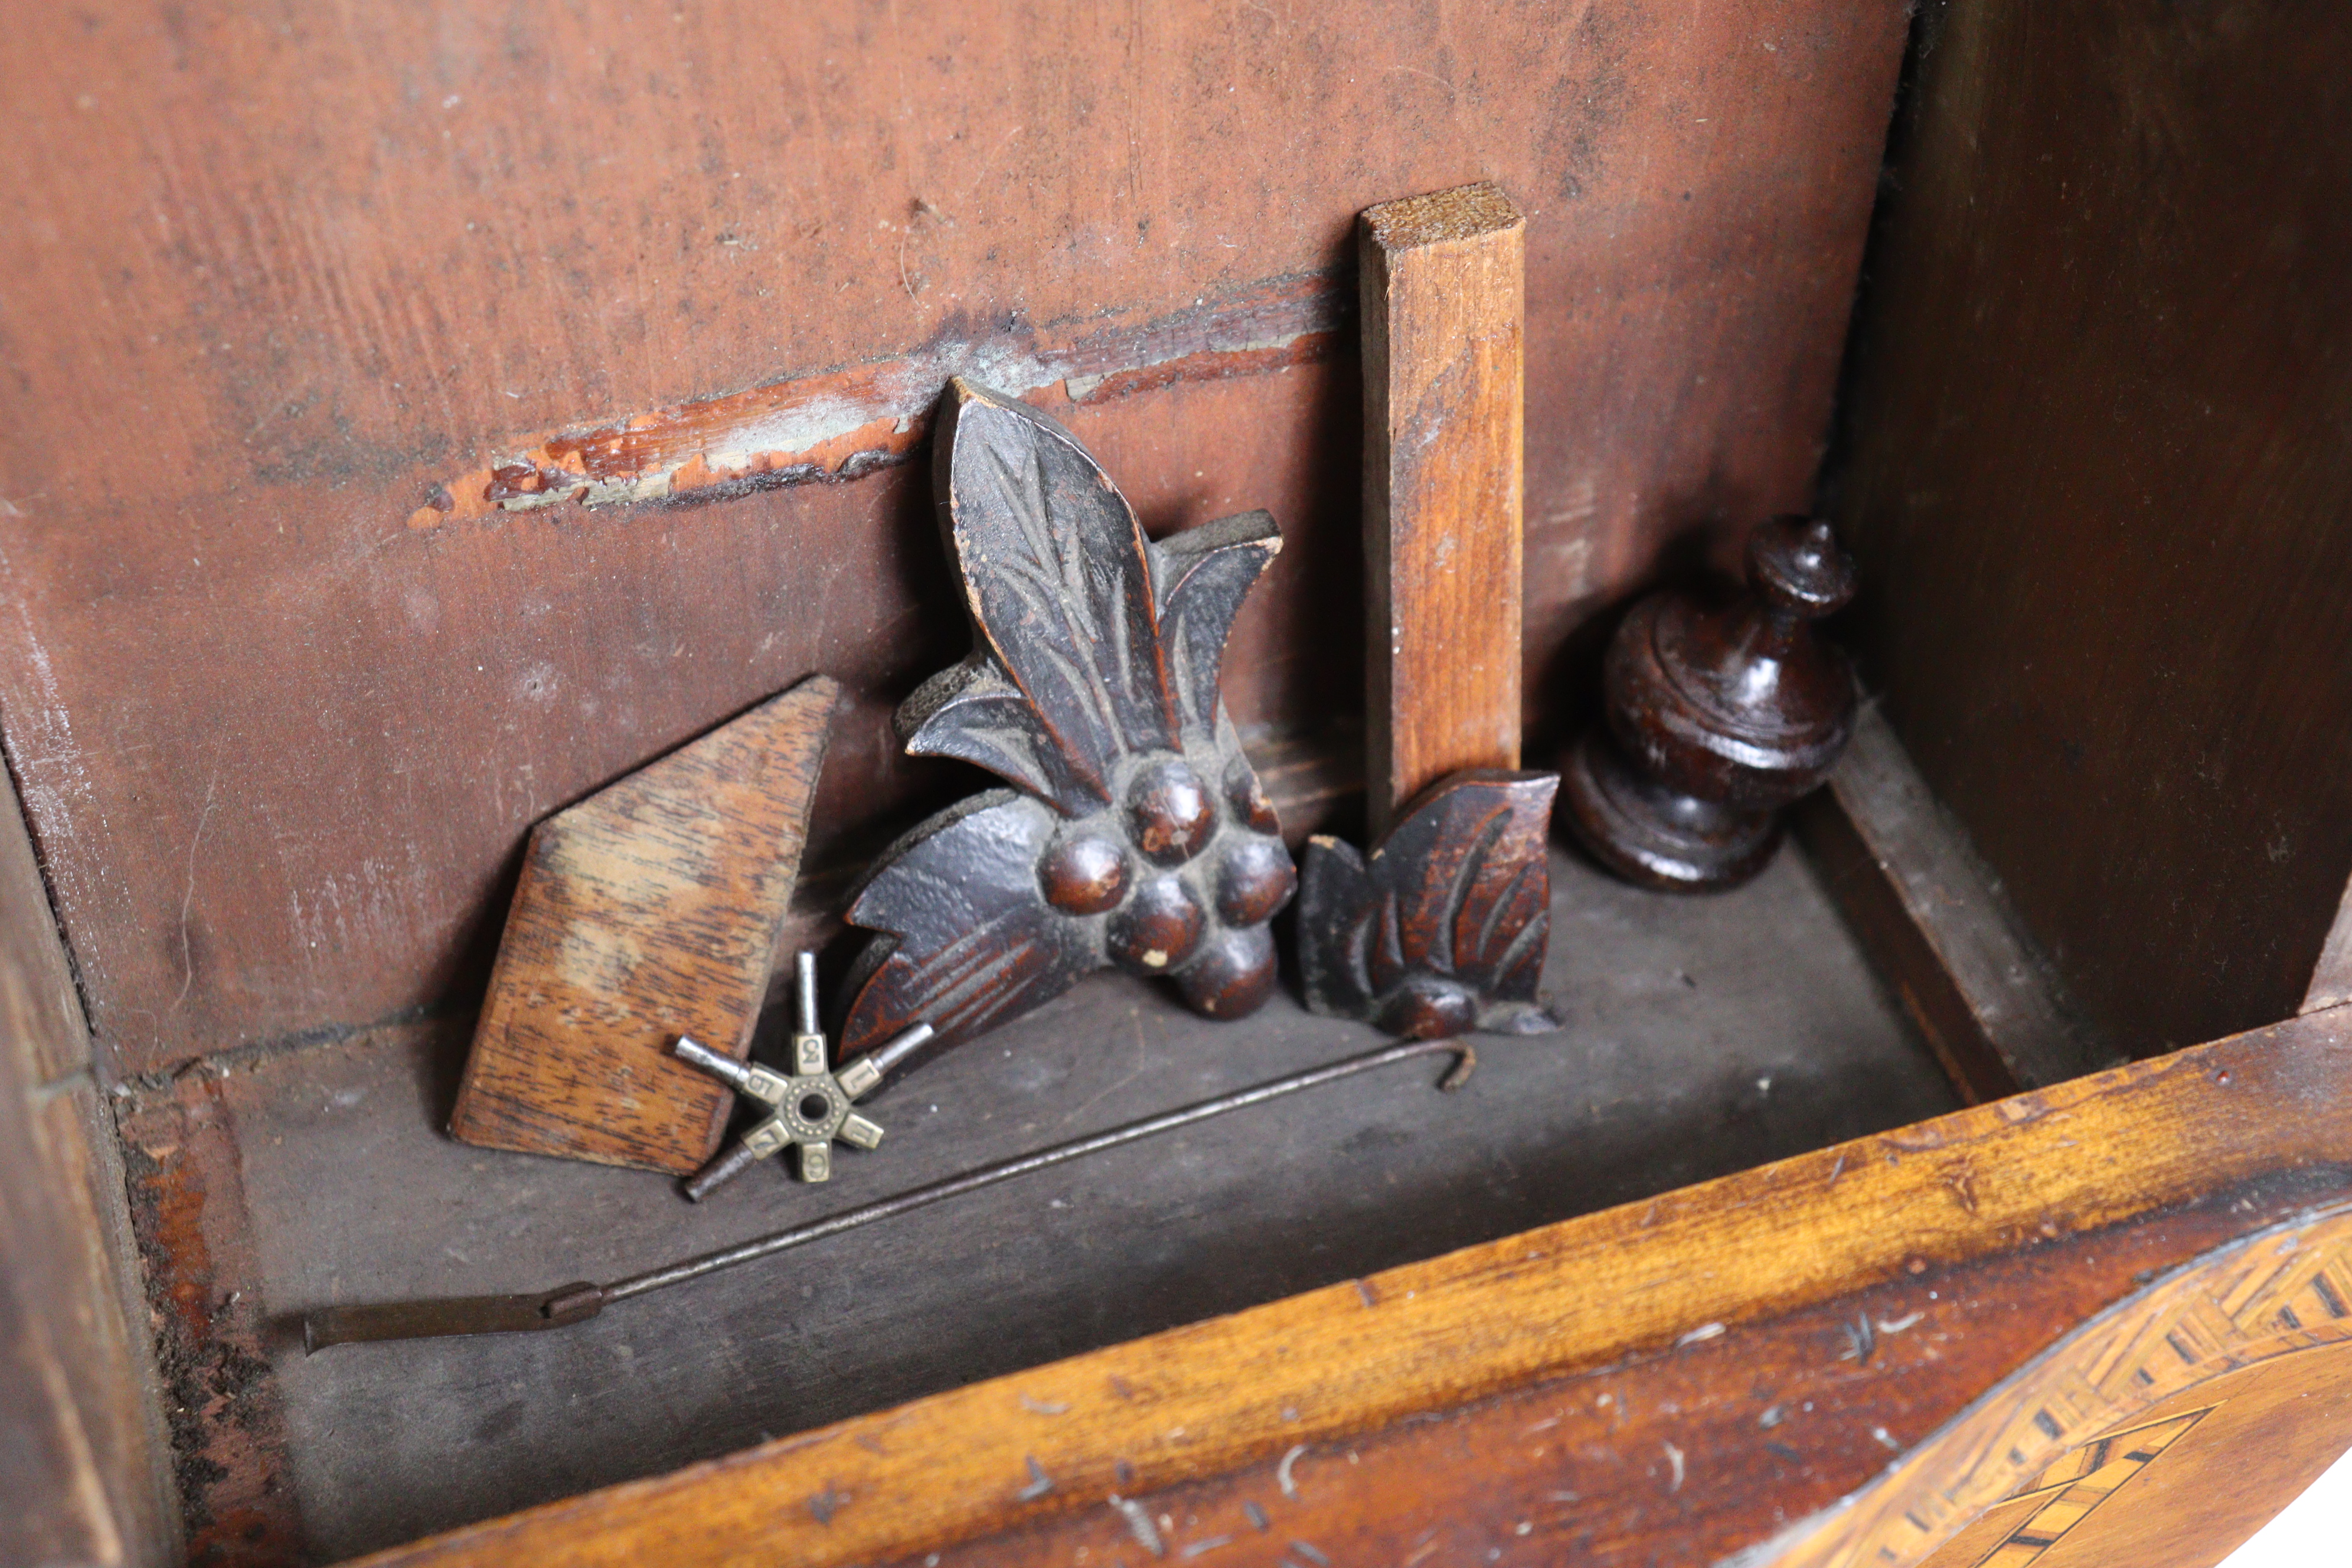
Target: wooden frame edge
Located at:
point(2242, 1115)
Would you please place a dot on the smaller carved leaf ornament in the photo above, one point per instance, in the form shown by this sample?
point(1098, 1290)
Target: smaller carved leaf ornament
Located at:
point(1444, 929)
point(1137, 833)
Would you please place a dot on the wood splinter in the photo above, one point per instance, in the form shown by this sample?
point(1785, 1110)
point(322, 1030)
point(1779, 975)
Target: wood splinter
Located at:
point(1444, 929)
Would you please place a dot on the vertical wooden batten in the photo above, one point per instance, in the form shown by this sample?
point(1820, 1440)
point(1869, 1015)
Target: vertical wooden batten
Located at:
point(1444, 309)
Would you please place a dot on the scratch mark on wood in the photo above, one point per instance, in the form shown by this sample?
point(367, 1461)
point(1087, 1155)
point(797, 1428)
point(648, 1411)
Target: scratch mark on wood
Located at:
point(188, 897)
point(1282, 1472)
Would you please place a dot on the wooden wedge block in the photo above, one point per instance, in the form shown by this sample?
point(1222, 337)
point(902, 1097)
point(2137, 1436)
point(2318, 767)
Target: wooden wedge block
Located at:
point(1444, 322)
point(649, 911)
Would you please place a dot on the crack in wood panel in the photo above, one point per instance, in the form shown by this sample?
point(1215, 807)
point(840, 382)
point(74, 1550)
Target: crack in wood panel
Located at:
point(844, 424)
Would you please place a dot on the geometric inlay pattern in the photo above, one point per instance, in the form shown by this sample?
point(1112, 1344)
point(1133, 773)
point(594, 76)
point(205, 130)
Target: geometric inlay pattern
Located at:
point(2283, 1290)
point(2079, 1483)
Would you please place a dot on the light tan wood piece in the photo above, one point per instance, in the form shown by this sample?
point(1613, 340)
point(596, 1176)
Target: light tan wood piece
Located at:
point(1444, 317)
point(647, 912)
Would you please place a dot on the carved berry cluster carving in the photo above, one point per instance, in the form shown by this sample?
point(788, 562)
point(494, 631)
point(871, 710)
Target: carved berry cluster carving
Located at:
point(1136, 833)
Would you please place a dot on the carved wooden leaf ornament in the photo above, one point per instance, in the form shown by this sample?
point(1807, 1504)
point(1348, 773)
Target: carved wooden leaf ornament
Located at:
point(1136, 833)
point(1442, 930)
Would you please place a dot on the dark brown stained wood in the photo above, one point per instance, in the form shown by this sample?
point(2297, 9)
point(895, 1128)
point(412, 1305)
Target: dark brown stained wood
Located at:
point(2096, 482)
point(211, 1329)
point(81, 1450)
point(648, 911)
point(1136, 832)
point(1936, 927)
point(1443, 929)
point(1719, 711)
point(281, 282)
point(1308, 779)
point(1851, 1350)
point(1443, 296)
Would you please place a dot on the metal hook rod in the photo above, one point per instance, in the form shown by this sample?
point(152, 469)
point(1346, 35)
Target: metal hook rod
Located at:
point(569, 1304)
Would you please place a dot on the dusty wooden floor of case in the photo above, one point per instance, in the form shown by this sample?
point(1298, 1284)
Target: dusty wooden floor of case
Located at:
point(1703, 1036)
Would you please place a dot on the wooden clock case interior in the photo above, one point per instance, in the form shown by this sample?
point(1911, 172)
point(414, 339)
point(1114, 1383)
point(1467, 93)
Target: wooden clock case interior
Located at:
point(422, 419)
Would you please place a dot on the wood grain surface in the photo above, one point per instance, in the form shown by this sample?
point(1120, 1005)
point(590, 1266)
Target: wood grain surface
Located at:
point(1443, 294)
point(1692, 1377)
point(2099, 390)
point(2277, 1293)
point(83, 1476)
point(282, 751)
point(647, 912)
point(56, 1483)
point(2184, 1483)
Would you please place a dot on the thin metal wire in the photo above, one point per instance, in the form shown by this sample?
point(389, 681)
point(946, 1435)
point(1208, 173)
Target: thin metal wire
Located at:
point(569, 1304)
point(1042, 1158)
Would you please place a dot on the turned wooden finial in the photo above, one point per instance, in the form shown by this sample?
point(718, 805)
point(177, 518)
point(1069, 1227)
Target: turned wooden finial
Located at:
point(1715, 718)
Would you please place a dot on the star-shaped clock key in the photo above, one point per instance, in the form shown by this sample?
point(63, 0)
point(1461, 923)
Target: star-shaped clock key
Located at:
point(809, 1108)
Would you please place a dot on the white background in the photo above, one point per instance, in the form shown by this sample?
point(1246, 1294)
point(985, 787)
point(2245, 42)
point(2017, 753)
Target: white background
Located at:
point(2315, 1532)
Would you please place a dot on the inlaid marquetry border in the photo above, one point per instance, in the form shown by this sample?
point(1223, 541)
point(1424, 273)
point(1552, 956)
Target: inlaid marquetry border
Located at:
point(2285, 1290)
point(2071, 1491)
